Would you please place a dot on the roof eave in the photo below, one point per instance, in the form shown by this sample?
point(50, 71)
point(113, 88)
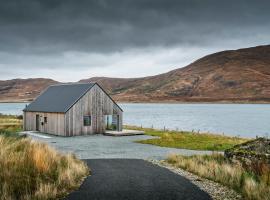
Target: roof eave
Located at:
point(43, 111)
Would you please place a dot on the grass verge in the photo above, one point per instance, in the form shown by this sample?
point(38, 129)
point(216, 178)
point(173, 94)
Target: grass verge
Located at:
point(215, 167)
point(33, 170)
point(10, 125)
point(189, 140)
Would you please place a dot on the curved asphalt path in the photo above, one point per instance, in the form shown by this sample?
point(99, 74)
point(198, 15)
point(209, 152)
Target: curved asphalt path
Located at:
point(134, 179)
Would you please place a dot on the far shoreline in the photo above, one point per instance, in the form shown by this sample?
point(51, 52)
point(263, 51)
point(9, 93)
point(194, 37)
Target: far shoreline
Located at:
point(170, 102)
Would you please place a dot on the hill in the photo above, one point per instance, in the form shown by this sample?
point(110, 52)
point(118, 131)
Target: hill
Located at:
point(23, 89)
point(232, 76)
point(236, 75)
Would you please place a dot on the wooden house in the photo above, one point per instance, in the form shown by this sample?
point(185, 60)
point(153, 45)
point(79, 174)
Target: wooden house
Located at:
point(73, 109)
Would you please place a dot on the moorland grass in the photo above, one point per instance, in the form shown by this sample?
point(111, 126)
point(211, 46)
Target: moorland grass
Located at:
point(252, 185)
point(189, 140)
point(33, 170)
point(10, 125)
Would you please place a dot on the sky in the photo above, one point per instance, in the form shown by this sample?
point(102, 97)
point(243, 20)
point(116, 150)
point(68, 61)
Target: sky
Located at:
point(69, 40)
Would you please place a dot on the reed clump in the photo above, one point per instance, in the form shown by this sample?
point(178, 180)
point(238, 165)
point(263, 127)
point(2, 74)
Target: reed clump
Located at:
point(33, 170)
point(216, 167)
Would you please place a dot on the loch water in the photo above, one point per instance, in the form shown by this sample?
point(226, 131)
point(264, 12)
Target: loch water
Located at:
point(245, 120)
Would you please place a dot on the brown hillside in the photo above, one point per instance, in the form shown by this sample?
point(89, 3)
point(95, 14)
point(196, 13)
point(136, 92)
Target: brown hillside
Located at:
point(240, 75)
point(23, 89)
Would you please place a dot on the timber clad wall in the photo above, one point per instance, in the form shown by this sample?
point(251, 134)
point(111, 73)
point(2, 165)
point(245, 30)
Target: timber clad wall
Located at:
point(95, 103)
point(55, 122)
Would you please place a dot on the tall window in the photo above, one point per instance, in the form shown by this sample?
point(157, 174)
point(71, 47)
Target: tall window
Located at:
point(45, 120)
point(87, 120)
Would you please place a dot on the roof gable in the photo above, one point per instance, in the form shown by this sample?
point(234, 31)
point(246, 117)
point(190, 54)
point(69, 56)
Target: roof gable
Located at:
point(109, 96)
point(59, 98)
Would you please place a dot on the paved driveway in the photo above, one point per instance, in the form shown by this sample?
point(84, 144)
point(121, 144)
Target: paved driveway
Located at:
point(100, 146)
point(132, 179)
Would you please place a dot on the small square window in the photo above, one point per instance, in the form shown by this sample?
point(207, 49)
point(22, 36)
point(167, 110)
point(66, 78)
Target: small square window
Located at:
point(45, 120)
point(87, 120)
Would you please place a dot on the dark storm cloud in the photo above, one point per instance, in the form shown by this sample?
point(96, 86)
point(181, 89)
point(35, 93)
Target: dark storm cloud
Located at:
point(73, 39)
point(56, 26)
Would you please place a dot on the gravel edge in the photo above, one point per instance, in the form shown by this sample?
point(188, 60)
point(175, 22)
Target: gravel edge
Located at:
point(214, 189)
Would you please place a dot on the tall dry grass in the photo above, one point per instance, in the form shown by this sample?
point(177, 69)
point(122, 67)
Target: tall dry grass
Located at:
point(33, 170)
point(215, 167)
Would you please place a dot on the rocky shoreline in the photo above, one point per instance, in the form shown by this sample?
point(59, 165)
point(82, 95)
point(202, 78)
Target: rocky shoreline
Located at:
point(215, 190)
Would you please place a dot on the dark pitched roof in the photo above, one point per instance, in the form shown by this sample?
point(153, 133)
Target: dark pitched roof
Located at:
point(59, 98)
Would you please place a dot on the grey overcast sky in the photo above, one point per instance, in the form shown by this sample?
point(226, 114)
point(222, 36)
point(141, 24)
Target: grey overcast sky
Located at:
point(69, 40)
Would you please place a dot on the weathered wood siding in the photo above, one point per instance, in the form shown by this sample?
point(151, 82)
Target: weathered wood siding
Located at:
point(55, 122)
point(95, 103)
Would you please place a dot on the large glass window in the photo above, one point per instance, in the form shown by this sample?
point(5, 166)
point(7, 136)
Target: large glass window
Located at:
point(111, 122)
point(87, 120)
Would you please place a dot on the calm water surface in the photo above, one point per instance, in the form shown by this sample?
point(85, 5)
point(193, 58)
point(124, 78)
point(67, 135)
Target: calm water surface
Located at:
point(246, 120)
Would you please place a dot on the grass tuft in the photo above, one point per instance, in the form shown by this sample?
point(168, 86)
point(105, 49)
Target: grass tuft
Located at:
point(215, 167)
point(33, 170)
point(10, 125)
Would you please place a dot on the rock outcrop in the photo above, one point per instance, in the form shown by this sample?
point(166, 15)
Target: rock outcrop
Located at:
point(254, 154)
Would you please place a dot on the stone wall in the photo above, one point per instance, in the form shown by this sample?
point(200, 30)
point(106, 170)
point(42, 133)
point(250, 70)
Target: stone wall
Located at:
point(254, 154)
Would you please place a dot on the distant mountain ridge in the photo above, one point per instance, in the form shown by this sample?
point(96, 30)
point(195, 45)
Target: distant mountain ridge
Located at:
point(17, 90)
point(232, 76)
